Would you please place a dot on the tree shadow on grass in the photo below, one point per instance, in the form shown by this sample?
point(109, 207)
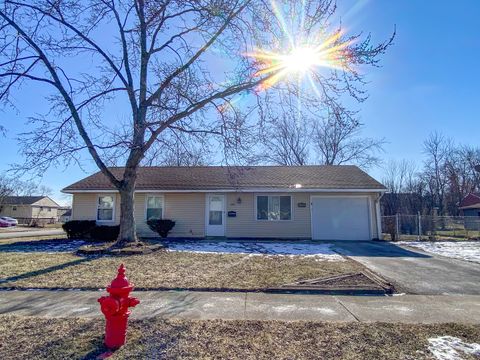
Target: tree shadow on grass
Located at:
point(55, 245)
point(48, 270)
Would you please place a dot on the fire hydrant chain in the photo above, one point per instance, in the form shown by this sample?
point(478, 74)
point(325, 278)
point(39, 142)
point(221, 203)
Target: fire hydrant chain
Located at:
point(115, 307)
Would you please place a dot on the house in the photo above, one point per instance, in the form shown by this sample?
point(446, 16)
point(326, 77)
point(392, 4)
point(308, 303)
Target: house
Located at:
point(64, 214)
point(297, 202)
point(470, 208)
point(30, 208)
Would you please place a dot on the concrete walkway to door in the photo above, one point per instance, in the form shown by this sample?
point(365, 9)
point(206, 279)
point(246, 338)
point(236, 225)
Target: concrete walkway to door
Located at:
point(252, 306)
point(412, 271)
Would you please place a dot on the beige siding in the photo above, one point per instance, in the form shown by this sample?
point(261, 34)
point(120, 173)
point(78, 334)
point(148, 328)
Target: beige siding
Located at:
point(84, 207)
point(188, 210)
point(22, 211)
point(246, 225)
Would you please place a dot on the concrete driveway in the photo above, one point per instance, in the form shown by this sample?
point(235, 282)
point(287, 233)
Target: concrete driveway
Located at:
point(413, 271)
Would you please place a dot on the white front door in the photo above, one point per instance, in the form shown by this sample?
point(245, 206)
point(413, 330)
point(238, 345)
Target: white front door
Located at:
point(215, 215)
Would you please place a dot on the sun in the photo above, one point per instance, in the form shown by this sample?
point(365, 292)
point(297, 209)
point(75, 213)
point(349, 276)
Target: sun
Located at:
point(300, 61)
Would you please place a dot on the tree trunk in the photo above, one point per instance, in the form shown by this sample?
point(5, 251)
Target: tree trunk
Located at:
point(128, 230)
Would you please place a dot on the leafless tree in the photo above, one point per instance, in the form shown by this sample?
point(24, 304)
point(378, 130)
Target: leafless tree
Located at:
point(6, 189)
point(461, 175)
point(338, 141)
point(149, 64)
point(437, 150)
point(286, 143)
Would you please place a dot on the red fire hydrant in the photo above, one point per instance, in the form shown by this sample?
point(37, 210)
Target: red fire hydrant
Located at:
point(115, 308)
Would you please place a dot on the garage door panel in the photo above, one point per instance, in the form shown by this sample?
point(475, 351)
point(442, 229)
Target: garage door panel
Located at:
point(340, 218)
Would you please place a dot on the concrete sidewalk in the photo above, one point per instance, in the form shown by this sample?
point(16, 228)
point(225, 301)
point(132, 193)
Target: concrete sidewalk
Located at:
point(32, 234)
point(252, 306)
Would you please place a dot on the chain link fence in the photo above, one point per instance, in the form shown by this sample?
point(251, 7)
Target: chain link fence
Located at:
point(428, 227)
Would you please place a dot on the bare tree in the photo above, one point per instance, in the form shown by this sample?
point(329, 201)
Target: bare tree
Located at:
point(286, 143)
point(437, 149)
point(461, 175)
point(6, 189)
point(338, 141)
point(150, 62)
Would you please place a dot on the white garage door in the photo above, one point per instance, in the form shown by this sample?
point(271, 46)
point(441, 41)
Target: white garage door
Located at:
point(340, 218)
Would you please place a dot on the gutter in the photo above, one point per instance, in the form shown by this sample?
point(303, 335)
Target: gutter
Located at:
point(258, 190)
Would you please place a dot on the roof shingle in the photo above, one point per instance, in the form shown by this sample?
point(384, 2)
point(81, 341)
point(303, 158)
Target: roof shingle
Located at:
point(237, 178)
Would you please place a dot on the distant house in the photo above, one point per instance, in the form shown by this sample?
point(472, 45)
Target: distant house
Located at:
point(470, 207)
point(64, 214)
point(295, 202)
point(30, 208)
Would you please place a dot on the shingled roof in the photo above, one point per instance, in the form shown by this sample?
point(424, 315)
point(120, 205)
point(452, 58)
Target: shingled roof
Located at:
point(472, 200)
point(22, 200)
point(237, 178)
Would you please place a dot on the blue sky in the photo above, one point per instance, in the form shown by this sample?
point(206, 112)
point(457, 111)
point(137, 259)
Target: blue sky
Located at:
point(429, 81)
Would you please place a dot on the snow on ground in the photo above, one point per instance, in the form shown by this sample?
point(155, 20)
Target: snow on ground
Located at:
point(318, 251)
point(451, 348)
point(465, 250)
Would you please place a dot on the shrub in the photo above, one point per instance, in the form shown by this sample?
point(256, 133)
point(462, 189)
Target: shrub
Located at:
point(76, 229)
point(105, 233)
point(161, 226)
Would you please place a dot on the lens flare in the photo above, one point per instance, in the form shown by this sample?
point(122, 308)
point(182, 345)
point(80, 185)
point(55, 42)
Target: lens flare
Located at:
point(304, 54)
point(300, 60)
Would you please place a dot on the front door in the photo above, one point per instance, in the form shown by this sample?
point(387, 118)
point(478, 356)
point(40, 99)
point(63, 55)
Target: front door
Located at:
point(215, 215)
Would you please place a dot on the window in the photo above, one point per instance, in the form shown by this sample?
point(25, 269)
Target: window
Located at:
point(154, 207)
point(105, 207)
point(215, 214)
point(49, 209)
point(274, 207)
point(14, 208)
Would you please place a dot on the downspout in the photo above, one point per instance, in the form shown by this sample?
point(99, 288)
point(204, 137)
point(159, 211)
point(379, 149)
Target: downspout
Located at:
point(379, 216)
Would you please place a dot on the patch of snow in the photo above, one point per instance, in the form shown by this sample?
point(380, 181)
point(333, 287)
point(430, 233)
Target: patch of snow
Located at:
point(317, 251)
point(451, 348)
point(465, 250)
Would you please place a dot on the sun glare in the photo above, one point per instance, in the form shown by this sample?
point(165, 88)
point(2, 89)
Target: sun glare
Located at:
point(304, 54)
point(300, 60)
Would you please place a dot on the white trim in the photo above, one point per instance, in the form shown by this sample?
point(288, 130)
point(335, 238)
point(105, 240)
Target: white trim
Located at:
point(378, 215)
point(113, 210)
point(146, 203)
point(207, 213)
point(243, 190)
point(347, 196)
point(256, 195)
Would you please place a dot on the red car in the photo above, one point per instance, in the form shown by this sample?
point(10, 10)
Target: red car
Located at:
point(6, 221)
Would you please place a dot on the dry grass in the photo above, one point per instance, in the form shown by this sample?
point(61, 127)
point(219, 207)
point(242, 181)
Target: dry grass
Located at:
point(163, 270)
point(40, 338)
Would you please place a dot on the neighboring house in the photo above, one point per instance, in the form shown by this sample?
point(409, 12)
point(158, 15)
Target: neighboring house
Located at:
point(64, 214)
point(470, 207)
point(296, 202)
point(28, 208)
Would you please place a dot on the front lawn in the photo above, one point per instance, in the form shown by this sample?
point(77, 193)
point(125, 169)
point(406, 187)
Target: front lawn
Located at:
point(40, 338)
point(164, 269)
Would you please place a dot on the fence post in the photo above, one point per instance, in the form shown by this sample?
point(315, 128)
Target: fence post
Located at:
point(419, 226)
point(397, 227)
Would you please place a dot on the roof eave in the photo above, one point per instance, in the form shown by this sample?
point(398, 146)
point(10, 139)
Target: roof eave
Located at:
point(299, 190)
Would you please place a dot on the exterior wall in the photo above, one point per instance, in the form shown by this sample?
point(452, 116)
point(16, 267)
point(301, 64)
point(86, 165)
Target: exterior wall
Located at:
point(246, 225)
point(22, 211)
point(42, 212)
point(188, 211)
point(472, 219)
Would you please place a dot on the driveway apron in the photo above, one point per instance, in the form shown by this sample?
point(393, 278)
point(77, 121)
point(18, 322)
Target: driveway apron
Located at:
point(414, 271)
